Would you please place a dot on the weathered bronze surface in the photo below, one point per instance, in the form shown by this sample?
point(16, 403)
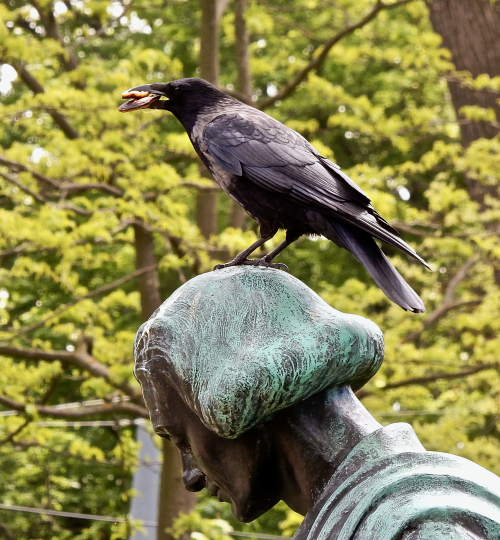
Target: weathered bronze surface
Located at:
point(242, 343)
point(249, 373)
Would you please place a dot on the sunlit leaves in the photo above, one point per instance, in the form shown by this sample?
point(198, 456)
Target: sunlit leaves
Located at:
point(378, 106)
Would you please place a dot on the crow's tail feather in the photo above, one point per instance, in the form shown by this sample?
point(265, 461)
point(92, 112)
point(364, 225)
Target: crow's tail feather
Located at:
point(365, 249)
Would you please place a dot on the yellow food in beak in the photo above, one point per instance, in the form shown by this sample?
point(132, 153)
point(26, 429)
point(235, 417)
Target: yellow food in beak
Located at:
point(129, 94)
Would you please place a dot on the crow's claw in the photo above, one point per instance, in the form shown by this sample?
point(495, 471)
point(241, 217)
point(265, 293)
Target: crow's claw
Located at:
point(253, 262)
point(227, 265)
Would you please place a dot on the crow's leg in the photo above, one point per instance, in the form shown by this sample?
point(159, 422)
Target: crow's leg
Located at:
point(242, 260)
point(291, 236)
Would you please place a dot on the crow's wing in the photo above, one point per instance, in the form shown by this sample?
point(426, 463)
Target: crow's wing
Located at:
point(256, 141)
point(261, 149)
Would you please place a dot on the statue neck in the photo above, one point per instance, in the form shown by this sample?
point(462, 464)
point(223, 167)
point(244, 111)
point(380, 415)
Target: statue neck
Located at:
point(312, 440)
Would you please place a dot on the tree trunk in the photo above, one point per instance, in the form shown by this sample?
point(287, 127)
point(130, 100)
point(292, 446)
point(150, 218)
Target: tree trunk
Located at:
point(242, 53)
point(206, 207)
point(149, 285)
point(209, 41)
point(470, 29)
point(173, 498)
point(207, 201)
point(237, 215)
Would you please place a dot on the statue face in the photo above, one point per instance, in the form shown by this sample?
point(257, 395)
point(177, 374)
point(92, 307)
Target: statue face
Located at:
point(240, 471)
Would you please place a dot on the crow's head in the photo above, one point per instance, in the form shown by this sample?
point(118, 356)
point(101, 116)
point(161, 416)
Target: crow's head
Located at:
point(183, 97)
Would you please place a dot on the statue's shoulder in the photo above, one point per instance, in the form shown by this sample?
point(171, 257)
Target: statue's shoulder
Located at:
point(398, 491)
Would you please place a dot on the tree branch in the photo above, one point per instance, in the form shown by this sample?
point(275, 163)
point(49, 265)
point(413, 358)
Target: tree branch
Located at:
point(448, 304)
point(73, 188)
point(200, 187)
point(430, 378)
point(19, 167)
point(92, 294)
point(316, 62)
point(457, 279)
point(80, 412)
point(40, 249)
point(80, 359)
point(292, 24)
point(37, 88)
point(400, 225)
point(73, 208)
point(110, 24)
point(49, 22)
point(70, 188)
point(405, 227)
point(10, 436)
point(13, 251)
point(24, 188)
point(6, 532)
point(440, 312)
point(43, 200)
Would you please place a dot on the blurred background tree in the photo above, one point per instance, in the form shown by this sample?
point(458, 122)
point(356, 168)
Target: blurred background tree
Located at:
point(104, 215)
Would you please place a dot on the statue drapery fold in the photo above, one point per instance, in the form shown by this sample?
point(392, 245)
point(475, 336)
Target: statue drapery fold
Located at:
point(390, 488)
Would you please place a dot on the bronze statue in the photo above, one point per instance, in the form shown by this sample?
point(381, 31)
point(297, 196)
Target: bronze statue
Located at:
point(251, 375)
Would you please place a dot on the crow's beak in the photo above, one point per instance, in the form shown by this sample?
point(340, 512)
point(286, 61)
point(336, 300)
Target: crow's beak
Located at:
point(141, 91)
point(140, 97)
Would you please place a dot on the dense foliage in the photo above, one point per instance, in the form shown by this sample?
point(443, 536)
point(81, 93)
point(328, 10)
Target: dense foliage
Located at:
point(77, 177)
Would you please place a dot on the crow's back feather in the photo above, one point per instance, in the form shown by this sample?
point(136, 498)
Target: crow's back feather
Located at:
point(254, 146)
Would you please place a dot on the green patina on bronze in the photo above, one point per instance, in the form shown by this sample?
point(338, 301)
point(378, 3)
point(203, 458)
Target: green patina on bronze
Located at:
point(244, 342)
point(390, 488)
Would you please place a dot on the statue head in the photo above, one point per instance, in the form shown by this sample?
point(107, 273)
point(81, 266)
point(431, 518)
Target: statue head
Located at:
point(226, 356)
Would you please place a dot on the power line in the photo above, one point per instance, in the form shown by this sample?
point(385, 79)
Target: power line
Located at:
point(139, 421)
point(92, 517)
point(70, 514)
point(437, 412)
point(91, 423)
point(249, 534)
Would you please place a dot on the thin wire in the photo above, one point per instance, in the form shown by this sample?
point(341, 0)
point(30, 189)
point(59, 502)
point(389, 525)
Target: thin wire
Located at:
point(142, 421)
point(249, 534)
point(139, 421)
point(424, 411)
point(70, 514)
point(122, 520)
point(91, 423)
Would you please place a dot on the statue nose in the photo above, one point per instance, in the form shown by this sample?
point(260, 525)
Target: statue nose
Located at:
point(193, 479)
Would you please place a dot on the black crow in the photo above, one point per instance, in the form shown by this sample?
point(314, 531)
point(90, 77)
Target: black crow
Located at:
point(279, 179)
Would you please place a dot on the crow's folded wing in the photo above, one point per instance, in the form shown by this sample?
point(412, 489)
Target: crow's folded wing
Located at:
point(257, 147)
